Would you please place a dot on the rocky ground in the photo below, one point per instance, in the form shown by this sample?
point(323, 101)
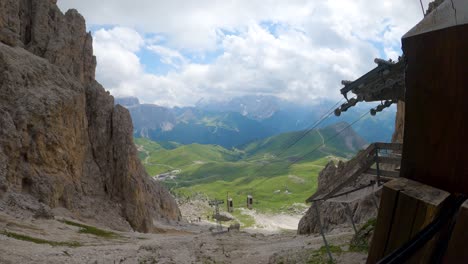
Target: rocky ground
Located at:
point(59, 241)
point(287, 220)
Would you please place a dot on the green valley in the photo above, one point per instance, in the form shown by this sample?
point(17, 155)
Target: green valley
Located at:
point(279, 178)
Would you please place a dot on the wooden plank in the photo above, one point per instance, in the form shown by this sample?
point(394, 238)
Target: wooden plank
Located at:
point(415, 205)
point(424, 215)
point(435, 137)
point(383, 224)
point(457, 248)
point(430, 202)
point(394, 174)
point(389, 160)
point(402, 223)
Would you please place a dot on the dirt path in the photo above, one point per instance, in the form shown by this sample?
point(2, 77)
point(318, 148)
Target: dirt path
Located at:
point(146, 160)
point(142, 149)
point(323, 144)
point(269, 223)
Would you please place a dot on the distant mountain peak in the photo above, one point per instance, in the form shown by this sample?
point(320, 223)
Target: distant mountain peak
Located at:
point(257, 107)
point(242, 119)
point(128, 101)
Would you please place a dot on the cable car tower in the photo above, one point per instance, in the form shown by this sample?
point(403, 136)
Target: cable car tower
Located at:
point(215, 203)
point(385, 83)
point(230, 205)
point(249, 201)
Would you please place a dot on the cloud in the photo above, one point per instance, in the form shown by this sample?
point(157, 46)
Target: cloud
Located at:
point(190, 24)
point(168, 56)
point(115, 50)
point(298, 50)
point(253, 62)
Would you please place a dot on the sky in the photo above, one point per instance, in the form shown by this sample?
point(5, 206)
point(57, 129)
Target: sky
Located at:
point(175, 53)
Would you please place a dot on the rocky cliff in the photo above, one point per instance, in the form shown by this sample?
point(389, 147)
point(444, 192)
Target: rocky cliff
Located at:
point(399, 123)
point(333, 214)
point(63, 143)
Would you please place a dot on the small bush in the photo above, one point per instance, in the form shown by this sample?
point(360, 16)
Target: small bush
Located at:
point(360, 242)
point(320, 256)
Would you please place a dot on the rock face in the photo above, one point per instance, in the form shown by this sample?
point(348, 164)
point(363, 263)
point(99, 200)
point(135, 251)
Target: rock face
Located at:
point(334, 214)
point(41, 28)
point(399, 123)
point(148, 118)
point(63, 143)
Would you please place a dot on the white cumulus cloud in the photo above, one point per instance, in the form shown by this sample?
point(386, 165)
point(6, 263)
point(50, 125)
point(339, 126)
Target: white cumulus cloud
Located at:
point(298, 50)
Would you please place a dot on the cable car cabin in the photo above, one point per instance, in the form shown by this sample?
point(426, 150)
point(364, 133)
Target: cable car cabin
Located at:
point(230, 205)
point(249, 201)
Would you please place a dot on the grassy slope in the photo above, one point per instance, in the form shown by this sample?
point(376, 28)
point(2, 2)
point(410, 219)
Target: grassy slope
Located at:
point(299, 179)
point(254, 169)
point(273, 147)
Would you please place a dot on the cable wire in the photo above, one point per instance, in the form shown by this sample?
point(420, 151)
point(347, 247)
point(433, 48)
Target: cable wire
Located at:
point(305, 133)
point(344, 193)
point(316, 148)
point(403, 253)
point(328, 139)
point(313, 126)
point(422, 8)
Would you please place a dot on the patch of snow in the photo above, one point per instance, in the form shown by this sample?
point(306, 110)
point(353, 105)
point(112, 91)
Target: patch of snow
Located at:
point(167, 126)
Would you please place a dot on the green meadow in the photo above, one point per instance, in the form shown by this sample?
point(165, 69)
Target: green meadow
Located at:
point(276, 176)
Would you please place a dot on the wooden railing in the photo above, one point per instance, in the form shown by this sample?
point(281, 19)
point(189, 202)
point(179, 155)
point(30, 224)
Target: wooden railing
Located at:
point(364, 160)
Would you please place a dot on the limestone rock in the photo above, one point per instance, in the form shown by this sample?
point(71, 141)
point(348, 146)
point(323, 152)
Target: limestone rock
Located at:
point(63, 143)
point(399, 123)
point(333, 214)
point(40, 27)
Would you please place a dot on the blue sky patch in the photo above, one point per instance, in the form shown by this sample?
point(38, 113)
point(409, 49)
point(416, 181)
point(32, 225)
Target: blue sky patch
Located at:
point(152, 62)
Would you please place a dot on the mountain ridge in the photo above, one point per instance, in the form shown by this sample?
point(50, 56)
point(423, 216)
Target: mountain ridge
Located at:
point(226, 125)
point(278, 148)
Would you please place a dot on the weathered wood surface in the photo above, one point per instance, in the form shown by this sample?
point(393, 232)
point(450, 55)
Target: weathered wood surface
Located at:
point(361, 164)
point(457, 251)
point(436, 120)
point(406, 207)
point(355, 195)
